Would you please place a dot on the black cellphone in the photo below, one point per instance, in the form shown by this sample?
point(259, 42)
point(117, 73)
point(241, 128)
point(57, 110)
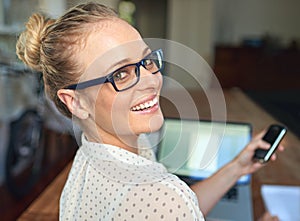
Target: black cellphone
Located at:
point(273, 136)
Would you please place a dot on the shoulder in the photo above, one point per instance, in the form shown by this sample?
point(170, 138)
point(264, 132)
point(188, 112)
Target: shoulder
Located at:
point(139, 193)
point(164, 200)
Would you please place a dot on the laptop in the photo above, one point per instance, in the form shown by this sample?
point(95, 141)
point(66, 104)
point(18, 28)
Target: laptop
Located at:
point(195, 149)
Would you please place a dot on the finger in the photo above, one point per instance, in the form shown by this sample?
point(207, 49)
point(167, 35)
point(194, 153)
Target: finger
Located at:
point(273, 157)
point(256, 166)
point(265, 216)
point(260, 134)
point(263, 144)
point(254, 144)
point(281, 148)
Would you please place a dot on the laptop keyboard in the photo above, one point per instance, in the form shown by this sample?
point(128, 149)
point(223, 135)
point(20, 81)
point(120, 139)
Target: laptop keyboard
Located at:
point(231, 195)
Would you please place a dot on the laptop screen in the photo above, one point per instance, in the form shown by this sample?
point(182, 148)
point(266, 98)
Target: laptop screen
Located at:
point(196, 149)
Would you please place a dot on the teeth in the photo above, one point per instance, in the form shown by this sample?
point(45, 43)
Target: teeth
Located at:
point(145, 105)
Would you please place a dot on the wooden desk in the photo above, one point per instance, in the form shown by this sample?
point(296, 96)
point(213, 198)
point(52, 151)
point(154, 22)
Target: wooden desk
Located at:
point(46, 206)
point(284, 171)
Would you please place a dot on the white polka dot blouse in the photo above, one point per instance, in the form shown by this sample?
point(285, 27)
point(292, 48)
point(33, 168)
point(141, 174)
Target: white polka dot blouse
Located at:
point(110, 183)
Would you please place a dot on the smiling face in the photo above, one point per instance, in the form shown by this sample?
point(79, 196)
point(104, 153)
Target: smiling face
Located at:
point(118, 117)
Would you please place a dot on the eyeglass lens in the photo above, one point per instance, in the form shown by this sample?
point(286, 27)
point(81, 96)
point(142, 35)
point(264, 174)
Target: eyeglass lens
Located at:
point(128, 76)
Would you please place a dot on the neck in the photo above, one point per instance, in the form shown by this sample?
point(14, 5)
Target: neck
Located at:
point(127, 142)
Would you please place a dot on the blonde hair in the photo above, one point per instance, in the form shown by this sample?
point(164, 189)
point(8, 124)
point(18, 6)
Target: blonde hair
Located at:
point(49, 45)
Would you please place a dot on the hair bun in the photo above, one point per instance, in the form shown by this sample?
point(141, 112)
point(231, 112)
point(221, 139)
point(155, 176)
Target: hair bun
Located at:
point(29, 43)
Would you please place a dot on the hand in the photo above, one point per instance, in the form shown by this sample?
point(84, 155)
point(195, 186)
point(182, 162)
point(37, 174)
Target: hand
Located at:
point(245, 158)
point(268, 217)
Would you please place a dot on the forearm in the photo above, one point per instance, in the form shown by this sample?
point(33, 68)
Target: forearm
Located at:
point(211, 190)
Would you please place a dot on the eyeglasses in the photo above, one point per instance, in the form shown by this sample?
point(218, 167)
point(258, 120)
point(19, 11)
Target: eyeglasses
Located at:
point(126, 76)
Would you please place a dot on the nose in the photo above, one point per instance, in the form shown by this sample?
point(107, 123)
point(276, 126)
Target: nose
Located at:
point(149, 80)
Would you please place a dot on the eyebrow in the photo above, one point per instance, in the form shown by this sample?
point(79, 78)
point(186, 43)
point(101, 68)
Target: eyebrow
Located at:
point(126, 60)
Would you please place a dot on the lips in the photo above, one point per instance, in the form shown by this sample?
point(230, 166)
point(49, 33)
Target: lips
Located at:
point(145, 105)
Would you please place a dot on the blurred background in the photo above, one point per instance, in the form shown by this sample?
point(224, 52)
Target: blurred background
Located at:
point(250, 44)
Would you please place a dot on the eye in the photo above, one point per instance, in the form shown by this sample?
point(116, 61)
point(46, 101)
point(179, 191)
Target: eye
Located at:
point(120, 75)
point(148, 63)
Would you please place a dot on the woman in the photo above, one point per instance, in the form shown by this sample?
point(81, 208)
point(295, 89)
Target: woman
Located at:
point(97, 68)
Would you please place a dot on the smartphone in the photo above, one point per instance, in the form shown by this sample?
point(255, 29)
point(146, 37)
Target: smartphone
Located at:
point(273, 136)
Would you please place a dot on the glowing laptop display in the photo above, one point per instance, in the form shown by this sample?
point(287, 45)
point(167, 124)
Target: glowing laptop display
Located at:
point(196, 149)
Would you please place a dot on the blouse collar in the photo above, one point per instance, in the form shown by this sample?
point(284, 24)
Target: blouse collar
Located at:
point(132, 168)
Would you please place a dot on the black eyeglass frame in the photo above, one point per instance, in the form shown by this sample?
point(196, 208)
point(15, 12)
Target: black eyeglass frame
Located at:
point(109, 78)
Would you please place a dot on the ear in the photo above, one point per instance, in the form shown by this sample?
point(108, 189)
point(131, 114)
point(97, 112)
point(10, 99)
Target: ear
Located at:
point(72, 101)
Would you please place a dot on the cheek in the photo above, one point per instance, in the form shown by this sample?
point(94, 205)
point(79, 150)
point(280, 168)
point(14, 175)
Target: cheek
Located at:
point(111, 113)
point(160, 80)
point(120, 109)
point(101, 107)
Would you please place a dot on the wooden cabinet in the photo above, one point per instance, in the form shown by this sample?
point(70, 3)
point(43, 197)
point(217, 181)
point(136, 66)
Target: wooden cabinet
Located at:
point(261, 68)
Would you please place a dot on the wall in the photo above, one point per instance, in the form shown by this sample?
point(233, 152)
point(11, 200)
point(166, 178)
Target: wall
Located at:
point(54, 8)
point(190, 22)
point(111, 3)
point(149, 25)
point(199, 24)
point(16, 12)
point(13, 14)
point(202, 24)
point(1, 13)
point(236, 19)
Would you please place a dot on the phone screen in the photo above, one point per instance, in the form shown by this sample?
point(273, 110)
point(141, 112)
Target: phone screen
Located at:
point(273, 136)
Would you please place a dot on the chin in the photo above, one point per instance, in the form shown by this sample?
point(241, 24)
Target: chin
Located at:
point(154, 124)
point(146, 123)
